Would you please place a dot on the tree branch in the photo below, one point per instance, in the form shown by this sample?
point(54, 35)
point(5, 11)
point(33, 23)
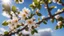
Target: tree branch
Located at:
point(47, 18)
point(47, 7)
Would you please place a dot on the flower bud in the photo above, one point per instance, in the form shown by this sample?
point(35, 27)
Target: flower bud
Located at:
point(59, 23)
point(57, 17)
point(37, 11)
point(43, 17)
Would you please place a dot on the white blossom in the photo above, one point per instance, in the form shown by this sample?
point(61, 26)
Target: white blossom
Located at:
point(55, 6)
point(15, 30)
point(59, 23)
point(38, 0)
point(26, 10)
point(12, 26)
point(12, 13)
point(33, 18)
point(21, 2)
point(30, 23)
point(33, 4)
point(9, 21)
point(58, 11)
point(50, 1)
point(57, 16)
point(43, 17)
point(41, 2)
point(5, 14)
point(54, 1)
point(37, 10)
point(14, 20)
point(45, 7)
point(16, 34)
point(23, 15)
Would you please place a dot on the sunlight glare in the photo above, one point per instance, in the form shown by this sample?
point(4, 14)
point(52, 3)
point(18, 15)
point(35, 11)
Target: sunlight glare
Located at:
point(6, 1)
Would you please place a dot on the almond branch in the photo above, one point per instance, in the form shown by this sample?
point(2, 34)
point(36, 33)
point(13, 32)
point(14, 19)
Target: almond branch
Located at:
point(47, 18)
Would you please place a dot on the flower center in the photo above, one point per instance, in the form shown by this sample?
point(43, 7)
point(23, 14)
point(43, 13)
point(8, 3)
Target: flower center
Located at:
point(29, 22)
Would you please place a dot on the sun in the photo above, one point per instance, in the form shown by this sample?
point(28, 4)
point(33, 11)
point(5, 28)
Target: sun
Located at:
point(6, 1)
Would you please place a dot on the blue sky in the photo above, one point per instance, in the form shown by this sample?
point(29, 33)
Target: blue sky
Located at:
point(59, 32)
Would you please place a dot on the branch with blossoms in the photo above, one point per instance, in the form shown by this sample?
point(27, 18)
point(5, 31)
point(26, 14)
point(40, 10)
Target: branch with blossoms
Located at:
point(47, 18)
point(25, 19)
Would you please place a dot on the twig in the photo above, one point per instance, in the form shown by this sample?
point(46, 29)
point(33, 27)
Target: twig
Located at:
point(47, 7)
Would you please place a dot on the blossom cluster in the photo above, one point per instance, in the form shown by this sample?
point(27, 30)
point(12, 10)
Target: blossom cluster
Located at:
point(16, 20)
point(20, 18)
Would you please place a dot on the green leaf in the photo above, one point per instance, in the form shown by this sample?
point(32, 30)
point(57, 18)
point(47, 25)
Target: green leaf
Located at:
point(49, 1)
point(31, 15)
point(26, 28)
point(17, 1)
point(32, 7)
point(63, 25)
point(34, 1)
point(38, 5)
point(63, 9)
point(34, 31)
point(59, 1)
point(44, 22)
point(20, 0)
point(5, 23)
point(39, 14)
point(32, 27)
point(38, 19)
point(60, 26)
point(18, 26)
point(14, 8)
point(6, 32)
point(56, 27)
point(52, 7)
point(60, 19)
point(26, 18)
point(20, 34)
point(42, 2)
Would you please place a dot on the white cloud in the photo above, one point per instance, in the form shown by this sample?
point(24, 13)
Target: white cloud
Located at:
point(41, 32)
point(45, 32)
point(5, 14)
point(2, 30)
point(25, 32)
